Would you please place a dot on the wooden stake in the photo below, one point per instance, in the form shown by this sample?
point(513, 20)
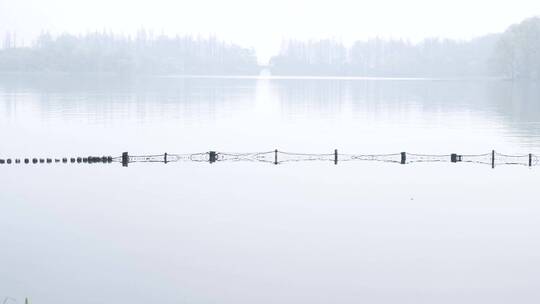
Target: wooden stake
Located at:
point(125, 159)
point(212, 157)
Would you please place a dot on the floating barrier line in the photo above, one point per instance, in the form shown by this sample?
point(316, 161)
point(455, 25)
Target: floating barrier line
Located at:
point(280, 157)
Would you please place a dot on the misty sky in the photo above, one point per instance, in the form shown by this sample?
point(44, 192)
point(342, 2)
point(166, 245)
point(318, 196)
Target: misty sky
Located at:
point(263, 24)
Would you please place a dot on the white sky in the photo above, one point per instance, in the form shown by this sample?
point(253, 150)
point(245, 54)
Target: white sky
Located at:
point(263, 24)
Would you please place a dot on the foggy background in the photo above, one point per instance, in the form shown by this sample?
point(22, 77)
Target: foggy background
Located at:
point(264, 24)
point(100, 77)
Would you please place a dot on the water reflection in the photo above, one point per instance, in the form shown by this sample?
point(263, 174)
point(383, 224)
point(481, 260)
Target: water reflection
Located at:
point(334, 110)
point(513, 104)
point(108, 98)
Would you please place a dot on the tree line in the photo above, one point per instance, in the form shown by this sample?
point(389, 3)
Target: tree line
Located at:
point(514, 54)
point(387, 58)
point(103, 52)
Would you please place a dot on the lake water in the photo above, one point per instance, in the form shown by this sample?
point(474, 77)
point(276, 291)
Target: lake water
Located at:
point(308, 232)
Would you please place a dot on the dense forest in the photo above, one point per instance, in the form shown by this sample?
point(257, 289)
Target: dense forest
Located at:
point(388, 58)
point(110, 53)
point(513, 54)
point(517, 54)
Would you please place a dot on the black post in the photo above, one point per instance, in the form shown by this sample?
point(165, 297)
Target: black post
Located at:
point(335, 157)
point(530, 160)
point(403, 158)
point(125, 159)
point(493, 159)
point(165, 157)
point(275, 157)
point(212, 157)
point(453, 158)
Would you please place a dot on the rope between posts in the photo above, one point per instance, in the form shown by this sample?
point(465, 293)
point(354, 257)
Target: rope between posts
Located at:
point(279, 157)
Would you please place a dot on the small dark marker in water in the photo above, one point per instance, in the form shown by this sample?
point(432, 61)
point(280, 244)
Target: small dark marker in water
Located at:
point(79, 160)
point(2, 161)
point(73, 160)
point(49, 160)
point(17, 161)
point(212, 156)
point(64, 160)
point(34, 161)
point(41, 160)
point(125, 159)
point(26, 160)
point(8, 161)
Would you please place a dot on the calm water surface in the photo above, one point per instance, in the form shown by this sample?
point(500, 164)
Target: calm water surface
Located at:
point(257, 233)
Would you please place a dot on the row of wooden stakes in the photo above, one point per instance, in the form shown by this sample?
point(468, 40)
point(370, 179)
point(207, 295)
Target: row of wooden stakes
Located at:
point(65, 160)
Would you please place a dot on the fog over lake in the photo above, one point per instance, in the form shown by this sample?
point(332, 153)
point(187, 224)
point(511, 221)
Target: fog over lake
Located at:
point(240, 232)
point(265, 152)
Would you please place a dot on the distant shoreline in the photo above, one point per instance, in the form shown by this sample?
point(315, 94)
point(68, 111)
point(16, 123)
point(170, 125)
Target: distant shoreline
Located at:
point(259, 77)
